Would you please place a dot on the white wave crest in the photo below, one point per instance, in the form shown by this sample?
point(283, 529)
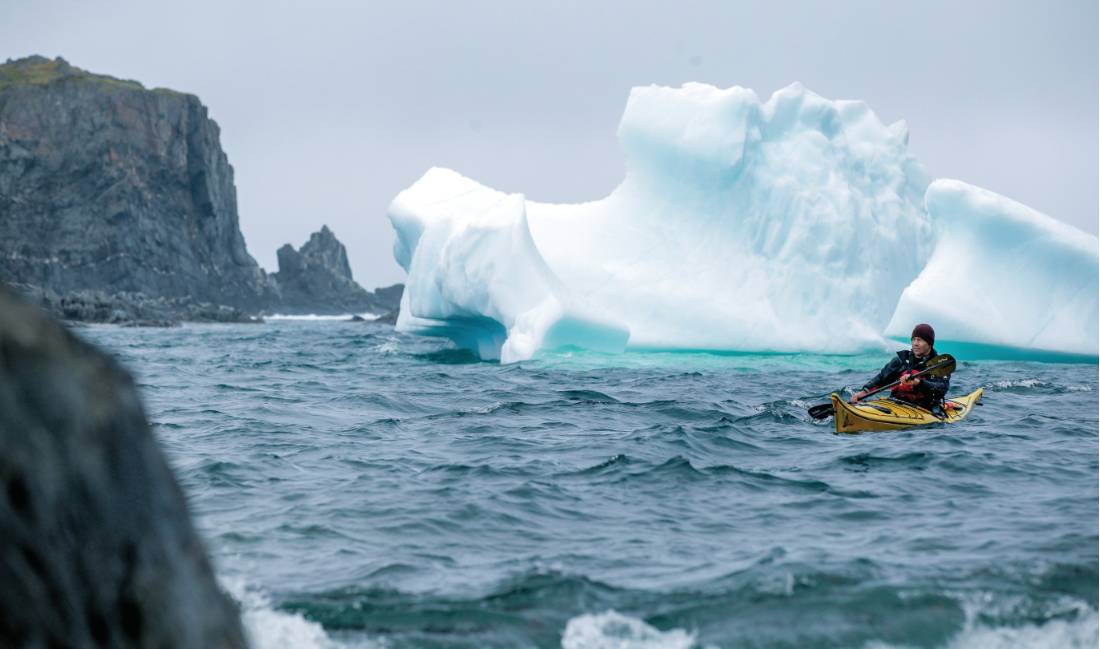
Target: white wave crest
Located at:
point(1019, 383)
point(268, 628)
point(1079, 633)
point(1056, 634)
point(388, 347)
point(314, 316)
point(1036, 383)
point(613, 630)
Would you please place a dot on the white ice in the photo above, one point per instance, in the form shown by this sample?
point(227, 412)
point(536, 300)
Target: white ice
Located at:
point(1003, 274)
point(788, 225)
point(476, 276)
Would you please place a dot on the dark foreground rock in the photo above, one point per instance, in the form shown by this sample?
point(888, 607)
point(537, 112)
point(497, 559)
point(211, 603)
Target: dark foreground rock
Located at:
point(96, 544)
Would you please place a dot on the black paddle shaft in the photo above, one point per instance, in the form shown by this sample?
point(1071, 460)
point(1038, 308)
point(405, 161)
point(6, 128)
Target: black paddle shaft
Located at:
point(943, 365)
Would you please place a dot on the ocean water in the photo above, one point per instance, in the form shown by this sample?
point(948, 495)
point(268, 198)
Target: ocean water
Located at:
point(361, 488)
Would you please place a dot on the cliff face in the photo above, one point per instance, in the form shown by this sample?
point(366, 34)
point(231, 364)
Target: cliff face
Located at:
point(108, 186)
point(97, 548)
point(316, 278)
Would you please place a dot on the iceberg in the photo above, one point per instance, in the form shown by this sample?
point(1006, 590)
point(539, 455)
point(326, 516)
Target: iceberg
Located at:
point(799, 224)
point(477, 278)
point(1003, 274)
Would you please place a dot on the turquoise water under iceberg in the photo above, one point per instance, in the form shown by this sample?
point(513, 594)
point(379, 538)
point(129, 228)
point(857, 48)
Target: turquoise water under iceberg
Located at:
point(363, 488)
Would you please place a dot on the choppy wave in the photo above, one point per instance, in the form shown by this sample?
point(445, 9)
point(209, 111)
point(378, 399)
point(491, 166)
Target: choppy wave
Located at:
point(773, 603)
point(1079, 633)
point(374, 490)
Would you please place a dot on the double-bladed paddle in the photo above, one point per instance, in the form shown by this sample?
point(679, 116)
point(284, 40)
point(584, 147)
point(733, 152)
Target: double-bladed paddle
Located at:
point(942, 365)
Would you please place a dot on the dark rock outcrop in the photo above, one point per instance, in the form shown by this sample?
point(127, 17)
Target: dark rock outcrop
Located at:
point(316, 278)
point(108, 187)
point(389, 297)
point(96, 544)
point(132, 309)
point(389, 318)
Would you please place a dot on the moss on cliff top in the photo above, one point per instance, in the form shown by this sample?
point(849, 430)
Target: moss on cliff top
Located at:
point(40, 71)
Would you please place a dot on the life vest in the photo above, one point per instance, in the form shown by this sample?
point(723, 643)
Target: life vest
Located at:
point(905, 390)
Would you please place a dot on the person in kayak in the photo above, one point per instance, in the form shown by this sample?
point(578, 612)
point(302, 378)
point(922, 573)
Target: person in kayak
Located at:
point(924, 391)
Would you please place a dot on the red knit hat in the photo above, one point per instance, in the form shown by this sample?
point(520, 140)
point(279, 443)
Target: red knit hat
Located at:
point(926, 332)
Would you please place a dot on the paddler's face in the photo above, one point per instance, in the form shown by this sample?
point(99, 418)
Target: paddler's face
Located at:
point(921, 347)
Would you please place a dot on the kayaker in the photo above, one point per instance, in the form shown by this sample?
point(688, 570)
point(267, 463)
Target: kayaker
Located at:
point(924, 391)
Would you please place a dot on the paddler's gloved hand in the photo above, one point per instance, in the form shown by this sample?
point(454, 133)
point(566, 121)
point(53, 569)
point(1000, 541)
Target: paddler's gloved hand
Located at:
point(857, 396)
point(907, 383)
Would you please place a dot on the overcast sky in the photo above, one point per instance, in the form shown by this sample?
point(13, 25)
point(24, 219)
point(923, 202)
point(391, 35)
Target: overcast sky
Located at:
point(329, 109)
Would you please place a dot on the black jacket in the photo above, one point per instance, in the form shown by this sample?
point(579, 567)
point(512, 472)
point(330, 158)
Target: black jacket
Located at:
point(928, 393)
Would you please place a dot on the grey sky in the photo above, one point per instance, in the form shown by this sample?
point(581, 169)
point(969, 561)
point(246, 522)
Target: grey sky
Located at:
point(328, 109)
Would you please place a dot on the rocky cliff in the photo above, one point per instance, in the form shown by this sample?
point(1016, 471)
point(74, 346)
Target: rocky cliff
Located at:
point(316, 278)
point(97, 548)
point(108, 186)
point(117, 204)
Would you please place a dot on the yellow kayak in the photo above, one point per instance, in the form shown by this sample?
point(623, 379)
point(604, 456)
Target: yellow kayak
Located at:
point(888, 414)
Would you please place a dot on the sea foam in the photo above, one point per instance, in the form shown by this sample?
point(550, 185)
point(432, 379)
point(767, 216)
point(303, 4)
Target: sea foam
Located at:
point(613, 630)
